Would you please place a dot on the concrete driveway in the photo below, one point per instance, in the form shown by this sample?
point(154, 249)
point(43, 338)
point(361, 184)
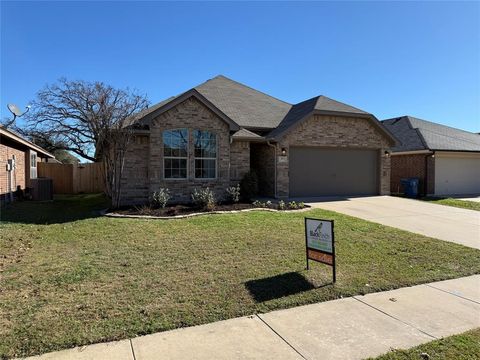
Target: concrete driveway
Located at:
point(447, 223)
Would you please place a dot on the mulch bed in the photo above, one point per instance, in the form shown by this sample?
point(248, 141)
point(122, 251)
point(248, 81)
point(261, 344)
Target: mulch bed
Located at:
point(180, 209)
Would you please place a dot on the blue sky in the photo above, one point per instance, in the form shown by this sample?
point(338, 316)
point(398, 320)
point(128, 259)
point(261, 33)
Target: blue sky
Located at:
point(388, 58)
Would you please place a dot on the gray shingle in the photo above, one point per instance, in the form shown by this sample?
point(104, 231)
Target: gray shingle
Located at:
point(248, 107)
point(418, 134)
point(244, 134)
point(252, 109)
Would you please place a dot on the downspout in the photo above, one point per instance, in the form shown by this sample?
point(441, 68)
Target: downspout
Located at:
point(274, 168)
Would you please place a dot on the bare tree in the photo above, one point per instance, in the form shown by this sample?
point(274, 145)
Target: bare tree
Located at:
point(77, 114)
point(90, 119)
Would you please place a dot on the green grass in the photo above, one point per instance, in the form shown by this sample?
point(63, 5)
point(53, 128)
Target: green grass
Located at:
point(464, 204)
point(465, 346)
point(83, 279)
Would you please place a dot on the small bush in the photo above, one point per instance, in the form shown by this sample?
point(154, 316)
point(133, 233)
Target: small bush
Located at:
point(261, 204)
point(233, 193)
point(282, 205)
point(301, 205)
point(161, 197)
point(204, 198)
point(292, 205)
point(249, 186)
point(257, 203)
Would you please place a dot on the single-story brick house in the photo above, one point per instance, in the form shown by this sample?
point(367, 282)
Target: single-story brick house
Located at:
point(445, 159)
point(213, 134)
point(18, 161)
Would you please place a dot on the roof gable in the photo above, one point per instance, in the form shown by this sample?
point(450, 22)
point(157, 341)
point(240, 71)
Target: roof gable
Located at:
point(169, 104)
point(323, 105)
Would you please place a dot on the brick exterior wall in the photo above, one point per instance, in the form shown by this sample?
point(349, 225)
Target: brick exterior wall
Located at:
point(239, 160)
point(135, 188)
point(421, 166)
point(19, 176)
point(334, 131)
point(263, 163)
point(143, 172)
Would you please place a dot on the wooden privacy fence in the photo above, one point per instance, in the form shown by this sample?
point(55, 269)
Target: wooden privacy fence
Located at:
point(73, 179)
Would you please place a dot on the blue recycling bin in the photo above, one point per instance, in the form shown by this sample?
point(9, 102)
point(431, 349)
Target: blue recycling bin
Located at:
point(410, 187)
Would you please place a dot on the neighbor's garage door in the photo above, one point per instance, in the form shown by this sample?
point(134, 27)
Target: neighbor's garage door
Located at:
point(457, 173)
point(332, 172)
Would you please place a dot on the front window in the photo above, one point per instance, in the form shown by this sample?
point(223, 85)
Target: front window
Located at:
point(205, 154)
point(175, 153)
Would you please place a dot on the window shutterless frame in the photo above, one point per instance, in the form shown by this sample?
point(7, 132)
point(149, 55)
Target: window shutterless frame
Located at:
point(33, 165)
point(195, 158)
point(166, 133)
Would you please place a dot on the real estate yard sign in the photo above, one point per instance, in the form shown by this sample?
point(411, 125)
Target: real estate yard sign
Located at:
point(319, 241)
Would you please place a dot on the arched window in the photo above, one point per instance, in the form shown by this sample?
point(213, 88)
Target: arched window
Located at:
point(175, 153)
point(205, 154)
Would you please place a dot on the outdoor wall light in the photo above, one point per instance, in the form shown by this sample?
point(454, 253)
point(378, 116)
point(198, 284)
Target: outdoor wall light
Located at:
point(284, 152)
point(433, 156)
point(387, 153)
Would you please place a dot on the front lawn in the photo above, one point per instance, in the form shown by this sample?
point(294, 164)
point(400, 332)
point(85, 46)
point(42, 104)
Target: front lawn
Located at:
point(465, 346)
point(83, 279)
point(464, 204)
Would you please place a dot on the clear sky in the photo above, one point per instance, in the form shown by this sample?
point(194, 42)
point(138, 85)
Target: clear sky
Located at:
point(388, 58)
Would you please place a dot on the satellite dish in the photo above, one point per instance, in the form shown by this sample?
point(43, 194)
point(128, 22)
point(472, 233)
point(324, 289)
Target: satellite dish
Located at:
point(14, 110)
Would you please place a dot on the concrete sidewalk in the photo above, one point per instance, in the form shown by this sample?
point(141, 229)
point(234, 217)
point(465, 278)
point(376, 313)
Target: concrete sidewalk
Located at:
point(461, 226)
point(350, 328)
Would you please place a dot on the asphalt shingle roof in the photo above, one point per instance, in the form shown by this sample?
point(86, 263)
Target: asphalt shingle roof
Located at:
point(252, 109)
point(246, 134)
point(320, 103)
point(418, 134)
point(248, 107)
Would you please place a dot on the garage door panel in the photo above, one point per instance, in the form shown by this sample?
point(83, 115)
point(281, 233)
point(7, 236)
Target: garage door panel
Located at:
point(457, 175)
point(332, 172)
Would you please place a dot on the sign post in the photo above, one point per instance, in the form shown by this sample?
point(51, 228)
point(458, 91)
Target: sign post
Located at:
point(320, 242)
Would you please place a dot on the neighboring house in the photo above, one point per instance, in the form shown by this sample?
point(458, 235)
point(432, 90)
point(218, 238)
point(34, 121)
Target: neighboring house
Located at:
point(446, 159)
point(18, 161)
point(213, 134)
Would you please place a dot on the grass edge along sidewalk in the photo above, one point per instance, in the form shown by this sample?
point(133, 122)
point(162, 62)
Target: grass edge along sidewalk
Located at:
point(306, 331)
point(84, 279)
point(465, 346)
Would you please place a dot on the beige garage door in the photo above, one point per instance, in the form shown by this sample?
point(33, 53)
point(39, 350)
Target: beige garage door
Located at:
point(332, 172)
point(457, 173)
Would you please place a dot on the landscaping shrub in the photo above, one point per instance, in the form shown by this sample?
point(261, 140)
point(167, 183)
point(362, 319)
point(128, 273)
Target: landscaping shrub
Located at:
point(261, 204)
point(204, 198)
point(292, 205)
point(161, 197)
point(249, 186)
point(281, 205)
point(233, 193)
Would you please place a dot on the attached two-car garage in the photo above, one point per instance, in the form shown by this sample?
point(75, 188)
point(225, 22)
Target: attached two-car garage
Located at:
point(319, 171)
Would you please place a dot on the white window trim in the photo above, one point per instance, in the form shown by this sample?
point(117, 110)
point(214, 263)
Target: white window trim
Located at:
point(205, 158)
point(175, 157)
point(33, 165)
